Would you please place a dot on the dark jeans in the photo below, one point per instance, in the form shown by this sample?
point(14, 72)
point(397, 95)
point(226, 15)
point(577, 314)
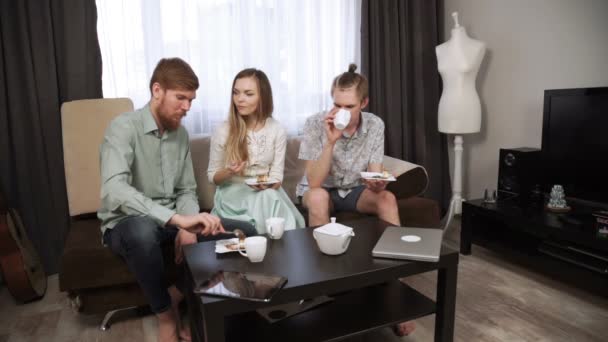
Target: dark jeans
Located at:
point(139, 241)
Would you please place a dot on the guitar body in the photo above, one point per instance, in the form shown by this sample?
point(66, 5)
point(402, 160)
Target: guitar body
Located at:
point(20, 265)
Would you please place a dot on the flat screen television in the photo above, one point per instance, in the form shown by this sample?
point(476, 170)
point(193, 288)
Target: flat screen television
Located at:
point(575, 142)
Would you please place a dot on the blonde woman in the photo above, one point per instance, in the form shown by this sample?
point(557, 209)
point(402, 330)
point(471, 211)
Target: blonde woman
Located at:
point(247, 157)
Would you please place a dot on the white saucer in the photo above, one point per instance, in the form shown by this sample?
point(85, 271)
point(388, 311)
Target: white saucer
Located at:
point(377, 176)
point(254, 181)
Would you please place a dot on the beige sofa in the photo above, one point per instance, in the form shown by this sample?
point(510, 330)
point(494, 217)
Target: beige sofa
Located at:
point(98, 281)
point(412, 181)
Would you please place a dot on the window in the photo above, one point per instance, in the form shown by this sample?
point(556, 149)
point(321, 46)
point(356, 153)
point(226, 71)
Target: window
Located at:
point(301, 46)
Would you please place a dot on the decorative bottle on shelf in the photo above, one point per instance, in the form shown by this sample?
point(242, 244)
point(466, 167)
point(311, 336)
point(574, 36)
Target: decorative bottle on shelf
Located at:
point(557, 201)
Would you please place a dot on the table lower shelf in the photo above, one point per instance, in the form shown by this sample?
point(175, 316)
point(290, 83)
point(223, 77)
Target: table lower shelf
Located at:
point(350, 314)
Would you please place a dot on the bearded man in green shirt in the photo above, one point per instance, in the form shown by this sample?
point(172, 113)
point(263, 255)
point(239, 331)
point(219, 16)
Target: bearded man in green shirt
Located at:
point(148, 190)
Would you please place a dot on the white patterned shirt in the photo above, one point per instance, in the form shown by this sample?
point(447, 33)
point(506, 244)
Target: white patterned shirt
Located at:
point(351, 155)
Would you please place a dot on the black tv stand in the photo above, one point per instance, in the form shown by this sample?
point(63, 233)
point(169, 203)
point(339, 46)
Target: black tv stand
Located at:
point(575, 255)
point(573, 220)
point(562, 245)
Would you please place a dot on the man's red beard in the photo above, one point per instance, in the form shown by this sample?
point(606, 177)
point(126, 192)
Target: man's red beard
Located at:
point(166, 119)
point(168, 123)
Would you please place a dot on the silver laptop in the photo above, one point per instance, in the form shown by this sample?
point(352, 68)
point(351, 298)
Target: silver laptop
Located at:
point(412, 243)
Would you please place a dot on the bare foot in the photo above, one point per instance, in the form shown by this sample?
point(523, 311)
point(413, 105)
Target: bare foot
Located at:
point(167, 329)
point(176, 298)
point(175, 294)
point(184, 333)
point(404, 328)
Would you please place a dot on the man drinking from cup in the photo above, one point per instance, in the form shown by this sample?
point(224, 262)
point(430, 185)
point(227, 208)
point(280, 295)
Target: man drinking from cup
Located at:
point(336, 157)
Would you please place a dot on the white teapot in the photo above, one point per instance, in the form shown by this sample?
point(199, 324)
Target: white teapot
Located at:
point(333, 238)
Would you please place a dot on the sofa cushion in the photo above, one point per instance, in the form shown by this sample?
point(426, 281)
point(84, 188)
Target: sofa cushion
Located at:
point(411, 183)
point(199, 150)
point(294, 167)
point(419, 212)
point(86, 263)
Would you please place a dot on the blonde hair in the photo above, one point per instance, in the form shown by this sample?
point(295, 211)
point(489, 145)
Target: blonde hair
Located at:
point(236, 144)
point(351, 79)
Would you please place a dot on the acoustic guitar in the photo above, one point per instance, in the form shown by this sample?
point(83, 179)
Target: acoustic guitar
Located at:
point(20, 265)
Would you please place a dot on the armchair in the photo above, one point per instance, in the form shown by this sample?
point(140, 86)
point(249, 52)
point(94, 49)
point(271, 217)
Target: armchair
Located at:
point(96, 280)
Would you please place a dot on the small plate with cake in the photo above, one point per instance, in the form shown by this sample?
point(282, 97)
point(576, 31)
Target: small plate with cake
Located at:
point(228, 245)
point(384, 176)
point(261, 180)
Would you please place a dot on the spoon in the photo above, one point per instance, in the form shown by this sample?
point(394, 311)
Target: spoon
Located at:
point(240, 235)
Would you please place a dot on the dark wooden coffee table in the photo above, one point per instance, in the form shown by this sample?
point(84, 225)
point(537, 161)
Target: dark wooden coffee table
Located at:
point(367, 292)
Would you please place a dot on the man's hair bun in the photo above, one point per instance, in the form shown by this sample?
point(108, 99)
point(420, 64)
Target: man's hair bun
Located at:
point(349, 79)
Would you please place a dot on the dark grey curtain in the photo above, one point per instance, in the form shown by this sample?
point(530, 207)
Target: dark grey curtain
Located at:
point(398, 39)
point(49, 54)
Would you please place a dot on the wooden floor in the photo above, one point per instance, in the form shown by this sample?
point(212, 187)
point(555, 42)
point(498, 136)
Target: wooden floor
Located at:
point(496, 301)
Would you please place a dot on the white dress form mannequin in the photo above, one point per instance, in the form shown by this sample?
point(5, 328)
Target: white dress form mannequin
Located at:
point(458, 61)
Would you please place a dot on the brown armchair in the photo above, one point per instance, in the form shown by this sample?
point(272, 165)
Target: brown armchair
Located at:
point(96, 280)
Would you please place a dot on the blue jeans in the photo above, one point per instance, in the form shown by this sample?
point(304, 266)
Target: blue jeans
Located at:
point(139, 240)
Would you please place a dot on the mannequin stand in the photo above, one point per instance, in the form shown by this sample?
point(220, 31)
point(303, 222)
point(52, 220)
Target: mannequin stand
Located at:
point(457, 182)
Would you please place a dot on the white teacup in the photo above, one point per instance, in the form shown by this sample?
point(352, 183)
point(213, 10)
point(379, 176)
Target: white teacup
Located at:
point(255, 247)
point(342, 119)
point(275, 227)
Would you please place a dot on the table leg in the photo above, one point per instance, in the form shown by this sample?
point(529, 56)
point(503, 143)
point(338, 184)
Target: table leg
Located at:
point(446, 303)
point(466, 231)
point(214, 328)
point(204, 326)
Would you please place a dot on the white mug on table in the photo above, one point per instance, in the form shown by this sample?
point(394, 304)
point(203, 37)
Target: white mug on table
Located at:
point(255, 248)
point(275, 227)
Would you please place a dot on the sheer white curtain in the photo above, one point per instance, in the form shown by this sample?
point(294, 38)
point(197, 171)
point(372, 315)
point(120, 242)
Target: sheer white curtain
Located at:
point(301, 45)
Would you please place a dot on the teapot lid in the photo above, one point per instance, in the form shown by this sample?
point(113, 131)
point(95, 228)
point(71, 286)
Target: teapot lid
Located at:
point(334, 229)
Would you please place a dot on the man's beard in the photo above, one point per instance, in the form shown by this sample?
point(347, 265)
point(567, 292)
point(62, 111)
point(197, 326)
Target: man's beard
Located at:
point(168, 123)
point(165, 119)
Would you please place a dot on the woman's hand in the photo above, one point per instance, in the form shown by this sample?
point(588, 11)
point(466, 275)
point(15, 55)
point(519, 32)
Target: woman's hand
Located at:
point(236, 167)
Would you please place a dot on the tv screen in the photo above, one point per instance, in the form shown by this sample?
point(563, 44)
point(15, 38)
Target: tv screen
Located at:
point(575, 142)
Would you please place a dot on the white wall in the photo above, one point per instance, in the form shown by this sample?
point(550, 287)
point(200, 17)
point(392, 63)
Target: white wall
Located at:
point(532, 45)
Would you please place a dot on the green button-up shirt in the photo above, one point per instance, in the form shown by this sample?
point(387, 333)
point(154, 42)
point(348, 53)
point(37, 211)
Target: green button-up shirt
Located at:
point(144, 173)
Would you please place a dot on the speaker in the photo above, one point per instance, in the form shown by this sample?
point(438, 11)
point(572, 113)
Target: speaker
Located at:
point(519, 174)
